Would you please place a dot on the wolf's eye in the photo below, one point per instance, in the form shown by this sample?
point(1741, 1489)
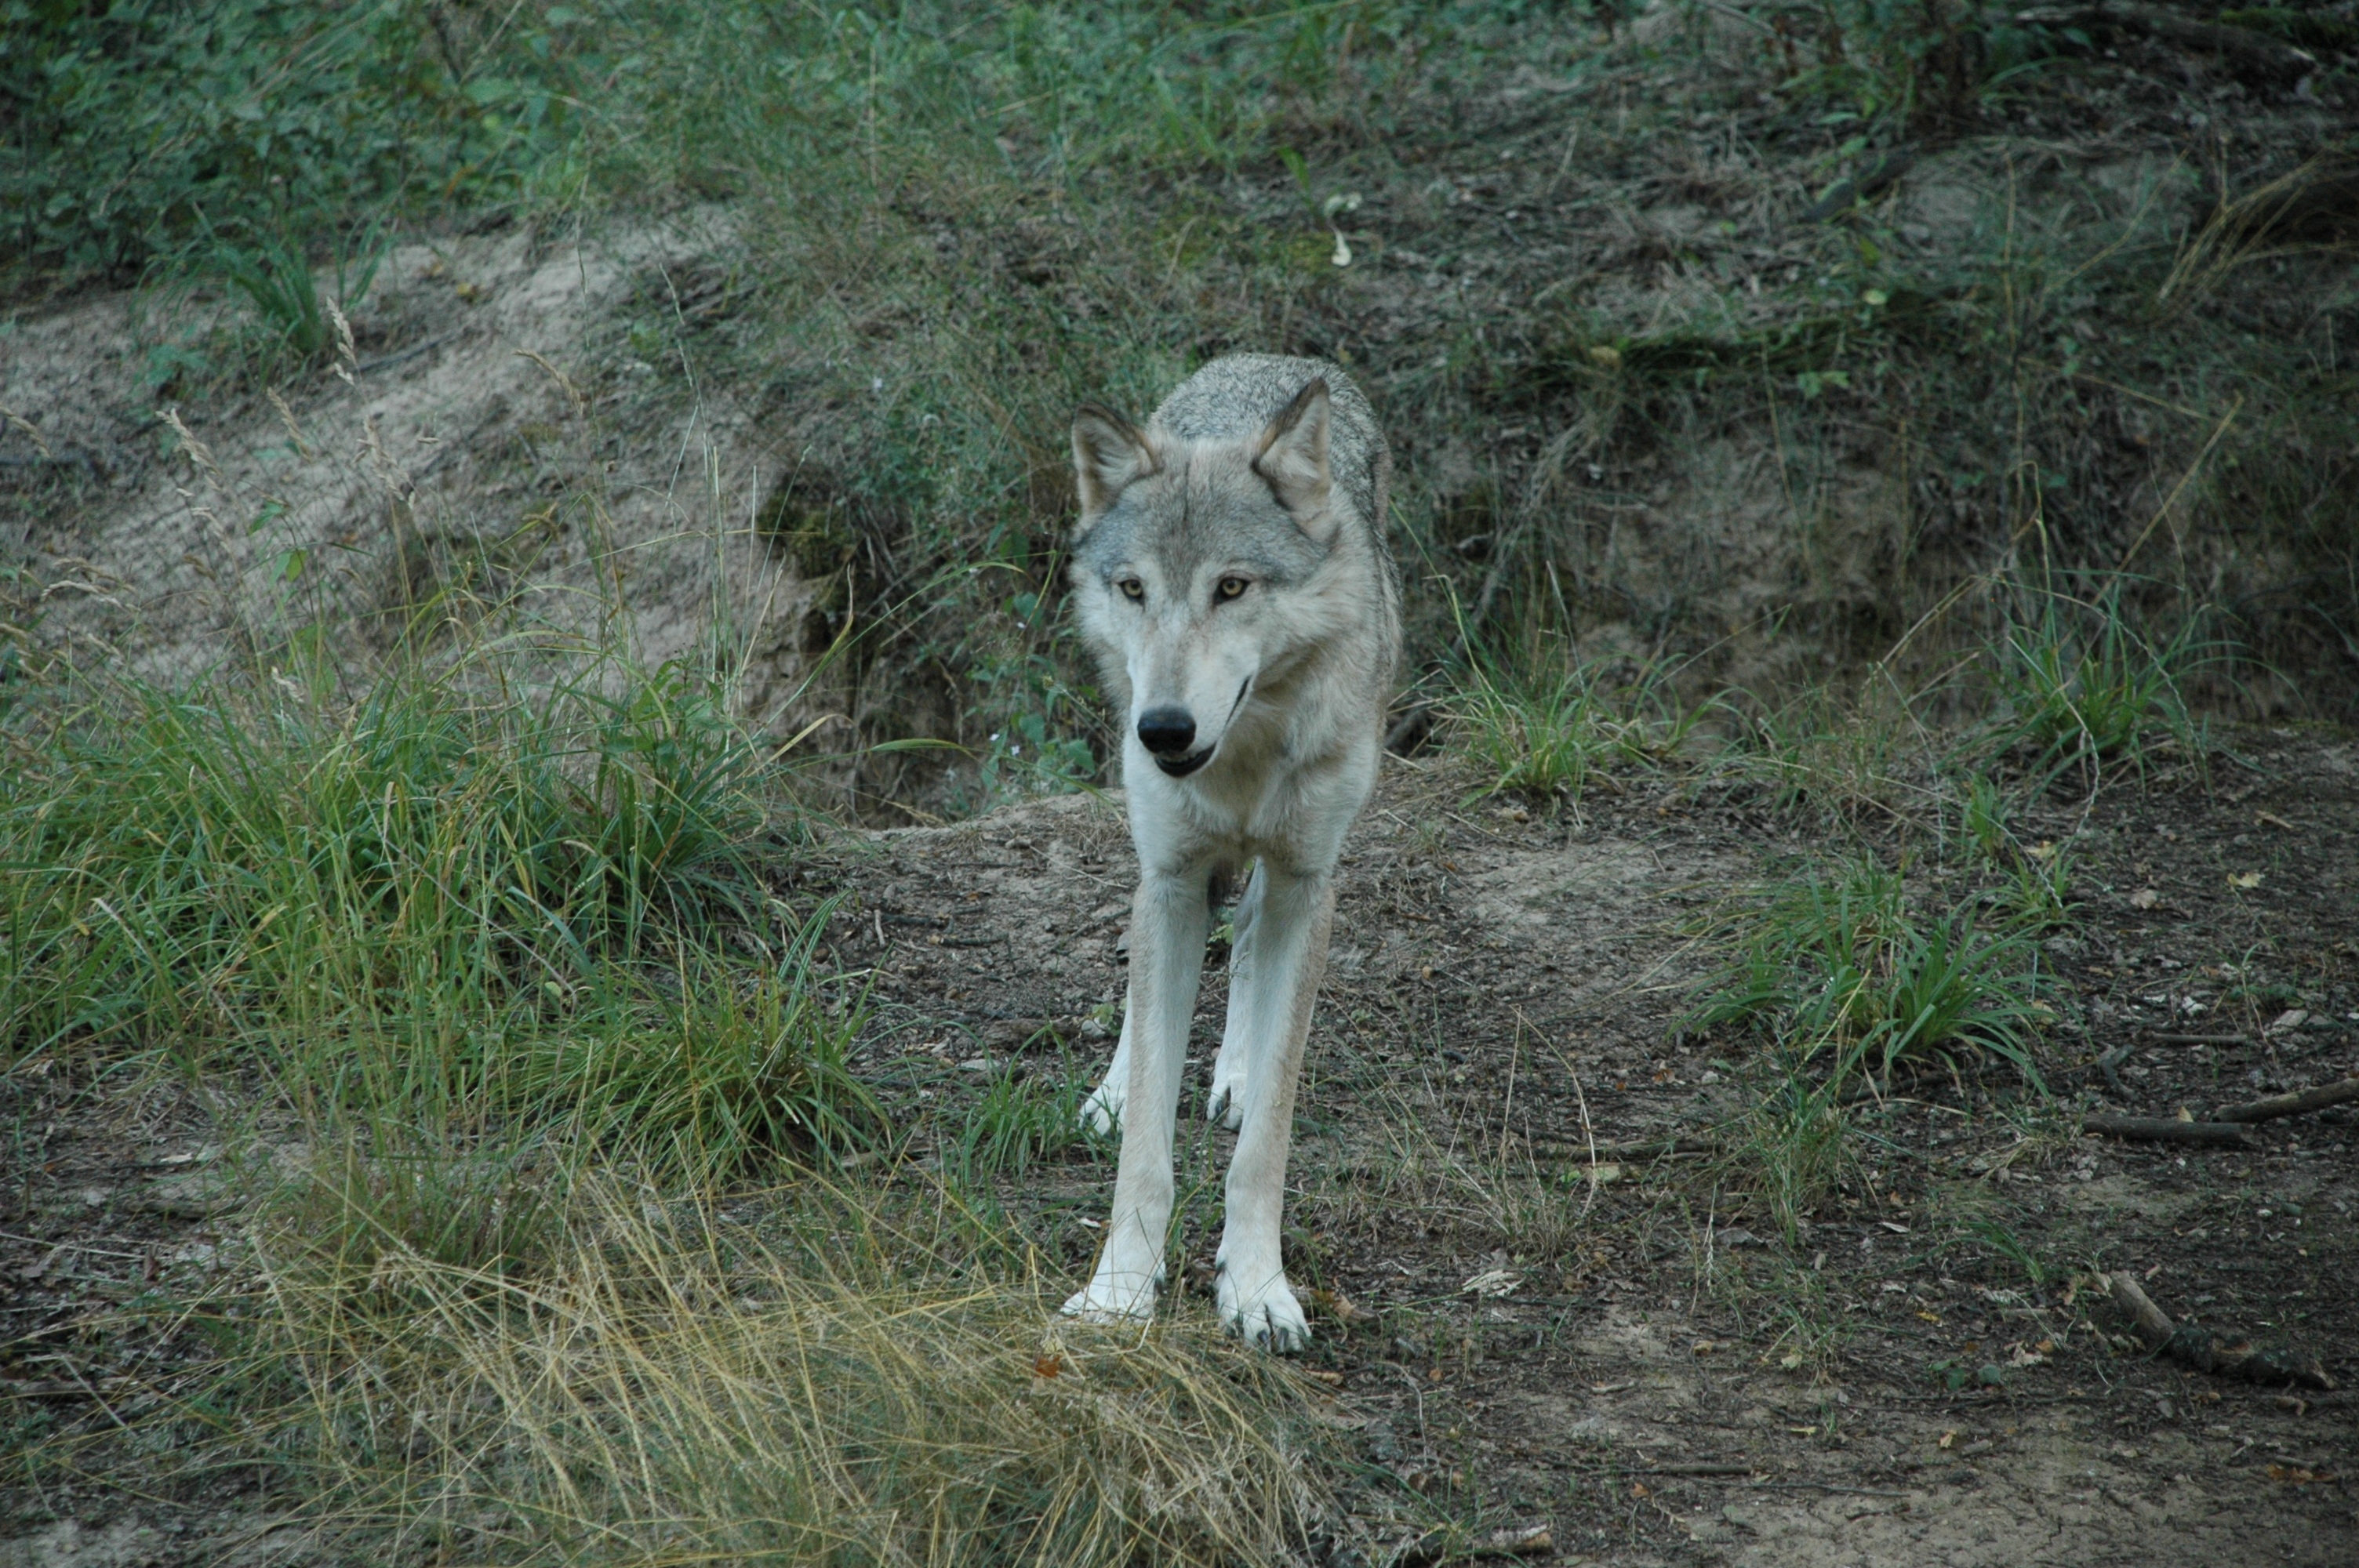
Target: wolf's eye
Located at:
point(1231, 587)
point(1133, 590)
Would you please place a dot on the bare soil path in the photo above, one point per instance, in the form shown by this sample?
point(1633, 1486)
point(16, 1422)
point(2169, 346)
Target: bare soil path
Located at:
point(1650, 1369)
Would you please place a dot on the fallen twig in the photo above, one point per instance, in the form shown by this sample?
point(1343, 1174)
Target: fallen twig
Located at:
point(2198, 1348)
point(2165, 1129)
point(1652, 1148)
point(2275, 1105)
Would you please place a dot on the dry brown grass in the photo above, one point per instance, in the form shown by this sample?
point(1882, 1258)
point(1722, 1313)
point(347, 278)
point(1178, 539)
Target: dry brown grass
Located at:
point(669, 1388)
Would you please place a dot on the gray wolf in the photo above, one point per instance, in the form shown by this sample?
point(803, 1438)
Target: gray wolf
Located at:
point(1231, 575)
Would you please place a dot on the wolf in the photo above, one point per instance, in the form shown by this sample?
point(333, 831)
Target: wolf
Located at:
point(1231, 574)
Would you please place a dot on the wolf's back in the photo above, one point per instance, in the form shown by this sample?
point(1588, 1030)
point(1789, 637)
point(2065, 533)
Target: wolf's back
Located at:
point(1237, 397)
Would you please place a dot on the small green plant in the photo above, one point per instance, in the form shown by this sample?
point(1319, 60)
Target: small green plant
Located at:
point(1817, 752)
point(273, 860)
point(1983, 817)
point(369, 1207)
point(1842, 966)
point(272, 267)
point(1024, 1119)
point(1538, 730)
point(2092, 694)
point(2038, 894)
point(1791, 1142)
point(2006, 1244)
point(1920, 62)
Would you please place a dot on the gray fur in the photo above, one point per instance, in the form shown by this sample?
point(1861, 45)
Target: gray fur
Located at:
point(1231, 569)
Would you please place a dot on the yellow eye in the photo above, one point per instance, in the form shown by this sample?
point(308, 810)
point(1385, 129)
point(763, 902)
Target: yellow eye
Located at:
point(1231, 587)
point(1132, 588)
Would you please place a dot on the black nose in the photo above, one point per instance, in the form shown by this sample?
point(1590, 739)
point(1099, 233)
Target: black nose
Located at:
point(1167, 731)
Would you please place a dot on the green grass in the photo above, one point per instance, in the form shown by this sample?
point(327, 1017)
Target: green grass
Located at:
point(2084, 689)
point(1543, 725)
point(1024, 1119)
point(1844, 970)
point(431, 899)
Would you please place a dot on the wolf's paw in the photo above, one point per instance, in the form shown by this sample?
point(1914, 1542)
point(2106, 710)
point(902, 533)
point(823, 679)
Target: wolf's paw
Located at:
point(1226, 1103)
point(1265, 1316)
point(1112, 1301)
point(1102, 1112)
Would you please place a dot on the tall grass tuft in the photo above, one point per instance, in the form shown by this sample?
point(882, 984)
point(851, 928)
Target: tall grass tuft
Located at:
point(1539, 727)
point(1844, 968)
point(257, 858)
point(2084, 689)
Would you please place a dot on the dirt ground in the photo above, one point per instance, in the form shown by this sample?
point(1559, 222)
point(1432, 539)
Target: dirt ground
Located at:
point(1644, 1365)
point(1506, 983)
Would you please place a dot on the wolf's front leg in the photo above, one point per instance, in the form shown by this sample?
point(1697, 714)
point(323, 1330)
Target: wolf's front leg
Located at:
point(1168, 926)
point(1290, 959)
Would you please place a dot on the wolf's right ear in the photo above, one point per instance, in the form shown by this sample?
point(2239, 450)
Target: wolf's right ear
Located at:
point(1109, 454)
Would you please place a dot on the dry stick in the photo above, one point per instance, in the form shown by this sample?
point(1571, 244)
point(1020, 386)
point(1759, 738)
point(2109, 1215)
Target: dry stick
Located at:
point(2150, 1319)
point(1594, 1153)
point(2180, 488)
point(2165, 1129)
point(2276, 1105)
point(2196, 1348)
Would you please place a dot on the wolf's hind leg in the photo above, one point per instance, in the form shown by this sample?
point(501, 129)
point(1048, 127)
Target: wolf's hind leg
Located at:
point(1102, 1112)
point(1226, 1103)
point(1297, 915)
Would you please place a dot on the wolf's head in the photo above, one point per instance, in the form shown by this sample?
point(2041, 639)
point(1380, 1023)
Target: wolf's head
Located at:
point(1189, 563)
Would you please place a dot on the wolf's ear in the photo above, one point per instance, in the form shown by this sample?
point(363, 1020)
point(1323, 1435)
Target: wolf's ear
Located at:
point(1109, 453)
point(1291, 457)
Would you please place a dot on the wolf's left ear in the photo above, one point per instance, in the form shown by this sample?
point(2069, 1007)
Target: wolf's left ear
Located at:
point(1291, 457)
point(1109, 453)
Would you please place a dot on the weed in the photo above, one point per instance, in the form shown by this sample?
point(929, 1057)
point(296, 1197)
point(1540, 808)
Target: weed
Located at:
point(193, 865)
point(2094, 694)
point(134, 127)
point(1023, 1119)
point(2037, 896)
point(365, 1208)
point(1919, 62)
point(273, 270)
point(1790, 1143)
point(1844, 968)
point(1818, 752)
point(1982, 817)
point(1543, 731)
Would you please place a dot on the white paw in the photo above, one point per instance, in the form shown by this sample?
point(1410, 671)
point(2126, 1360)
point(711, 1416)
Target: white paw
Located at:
point(1114, 1299)
point(1265, 1314)
point(1102, 1112)
point(1226, 1105)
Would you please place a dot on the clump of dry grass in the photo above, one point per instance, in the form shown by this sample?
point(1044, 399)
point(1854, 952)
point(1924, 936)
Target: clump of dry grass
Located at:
point(668, 1387)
